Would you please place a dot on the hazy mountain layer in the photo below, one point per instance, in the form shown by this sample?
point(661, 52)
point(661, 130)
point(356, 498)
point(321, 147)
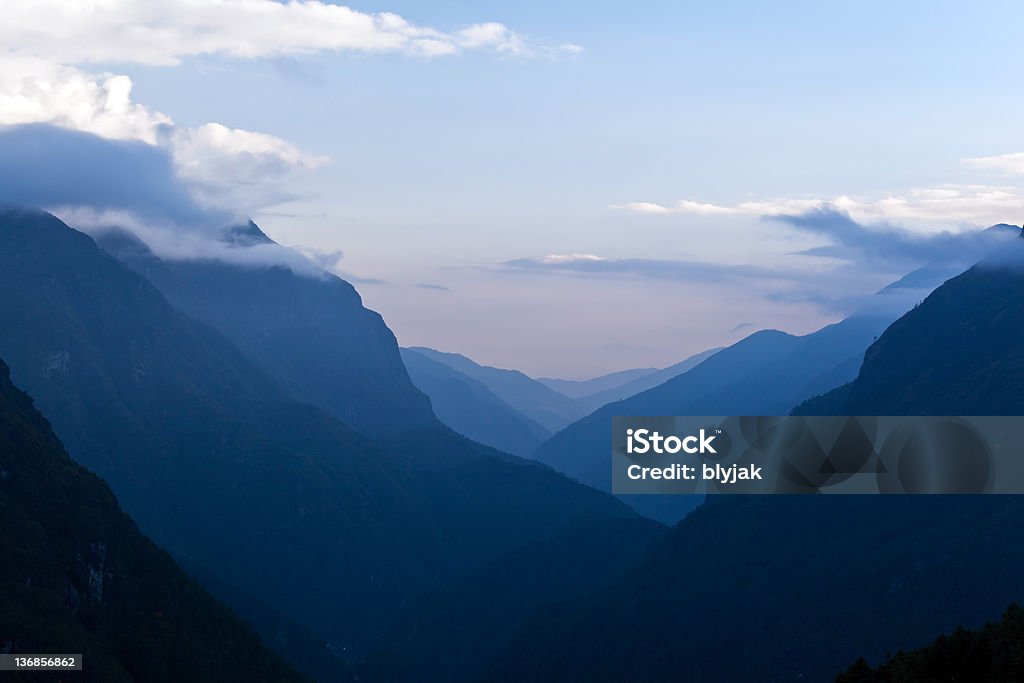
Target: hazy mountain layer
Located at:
point(645, 382)
point(470, 408)
point(582, 388)
point(766, 373)
point(541, 404)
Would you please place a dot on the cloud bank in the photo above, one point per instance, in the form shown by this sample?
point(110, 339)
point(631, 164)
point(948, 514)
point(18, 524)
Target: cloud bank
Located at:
point(1008, 164)
point(840, 277)
point(166, 32)
point(99, 185)
point(947, 204)
point(883, 246)
point(46, 42)
point(224, 168)
point(48, 166)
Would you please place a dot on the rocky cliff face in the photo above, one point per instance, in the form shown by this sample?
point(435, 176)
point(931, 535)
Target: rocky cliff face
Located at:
point(306, 327)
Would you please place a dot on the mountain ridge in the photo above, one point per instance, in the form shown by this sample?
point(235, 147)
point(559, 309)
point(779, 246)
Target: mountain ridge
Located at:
point(540, 403)
point(224, 467)
point(470, 408)
point(308, 330)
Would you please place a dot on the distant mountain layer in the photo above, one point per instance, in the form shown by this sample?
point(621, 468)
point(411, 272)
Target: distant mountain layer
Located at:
point(310, 331)
point(471, 409)
point(766, 373)
point(77, 576)
point(645, 382)
point(581, 388)
point(221, 465)
point(541, 404)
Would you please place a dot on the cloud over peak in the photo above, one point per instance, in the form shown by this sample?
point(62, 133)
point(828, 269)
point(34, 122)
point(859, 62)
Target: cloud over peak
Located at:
point(226, 168)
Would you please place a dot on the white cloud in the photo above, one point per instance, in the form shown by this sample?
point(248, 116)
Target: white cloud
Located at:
point(553, 259)
point(168, 31)
point(945, 204)
point(227, 168)
point(46, 41)
point(175, 242)
point(1010, 164)
point(36, 91)
point(232, 168)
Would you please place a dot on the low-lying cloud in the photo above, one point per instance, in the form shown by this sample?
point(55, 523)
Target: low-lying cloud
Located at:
point(840, 277)
point(882, 246)
point(98, 185)
point(662, 269)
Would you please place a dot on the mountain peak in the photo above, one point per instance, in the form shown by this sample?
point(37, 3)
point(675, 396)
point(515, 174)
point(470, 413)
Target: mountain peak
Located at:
point(246, 235)
point(1004, 227)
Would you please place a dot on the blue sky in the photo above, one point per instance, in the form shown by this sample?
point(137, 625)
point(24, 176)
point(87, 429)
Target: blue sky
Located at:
point(452, 171)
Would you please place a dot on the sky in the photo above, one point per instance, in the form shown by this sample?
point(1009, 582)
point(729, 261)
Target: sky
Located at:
point(562, 188)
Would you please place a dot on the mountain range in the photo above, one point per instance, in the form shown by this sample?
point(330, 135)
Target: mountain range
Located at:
point(470, 408)
point(795, 588)
point(498, 407)
point(767, 373)
point(220, 463)
point(581, 388)
point(262, 426)
point(533, 399)
point(616, 391)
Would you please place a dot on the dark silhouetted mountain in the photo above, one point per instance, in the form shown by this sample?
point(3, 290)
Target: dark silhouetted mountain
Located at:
point(766, 373)
point(783, 588)
point(306, 651)
point(581, 388)
point(992, 654)
point(954, 354)
point(224, 468)
point(77, 576)
point(451, 634)
point(310, 331)
point(471, 409)
point(541, 404)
